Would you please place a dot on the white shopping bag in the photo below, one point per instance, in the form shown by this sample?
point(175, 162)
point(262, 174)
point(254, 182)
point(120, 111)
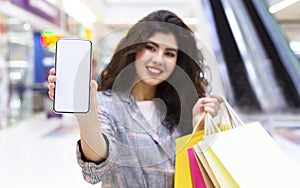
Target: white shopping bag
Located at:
point(251, 156)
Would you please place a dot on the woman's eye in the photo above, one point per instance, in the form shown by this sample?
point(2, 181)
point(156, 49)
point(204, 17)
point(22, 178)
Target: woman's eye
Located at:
point(170, 54)
point(151, 48)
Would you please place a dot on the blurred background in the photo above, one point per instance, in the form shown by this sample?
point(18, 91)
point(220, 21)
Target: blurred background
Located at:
point(252, 48)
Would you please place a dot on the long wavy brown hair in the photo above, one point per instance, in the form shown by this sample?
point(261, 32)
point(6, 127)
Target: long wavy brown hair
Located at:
point(189, 59)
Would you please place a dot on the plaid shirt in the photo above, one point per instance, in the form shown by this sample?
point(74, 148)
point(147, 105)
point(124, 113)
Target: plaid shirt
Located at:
point(137, 155)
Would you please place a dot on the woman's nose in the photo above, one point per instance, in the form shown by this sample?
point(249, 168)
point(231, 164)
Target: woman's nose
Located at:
point(158, 57)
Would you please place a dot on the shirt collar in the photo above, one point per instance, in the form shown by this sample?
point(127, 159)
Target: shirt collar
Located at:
point(124, 96)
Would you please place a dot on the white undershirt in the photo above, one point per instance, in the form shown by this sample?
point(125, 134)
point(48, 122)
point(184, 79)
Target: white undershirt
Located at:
point(150, 113)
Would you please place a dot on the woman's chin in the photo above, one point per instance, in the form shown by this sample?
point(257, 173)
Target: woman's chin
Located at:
point(152, 81)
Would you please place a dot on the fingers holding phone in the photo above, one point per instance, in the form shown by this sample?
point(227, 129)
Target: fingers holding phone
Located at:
point(92, 114)
point(51, 87)
point(94, 99)
point(93, 87)
point(51, 83)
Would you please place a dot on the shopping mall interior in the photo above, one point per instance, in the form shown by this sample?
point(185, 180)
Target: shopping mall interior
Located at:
point(252, 49)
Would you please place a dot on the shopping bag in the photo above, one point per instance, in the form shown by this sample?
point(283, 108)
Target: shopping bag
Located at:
point(207, 177)
point(182, 176)
point(207, 173)
point(217, 172)
point(253, 158)
point(197, 178)
point(248, 156)
point(200, 177)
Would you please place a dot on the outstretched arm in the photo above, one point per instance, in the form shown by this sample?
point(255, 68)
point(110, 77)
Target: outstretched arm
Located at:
point(92, 141)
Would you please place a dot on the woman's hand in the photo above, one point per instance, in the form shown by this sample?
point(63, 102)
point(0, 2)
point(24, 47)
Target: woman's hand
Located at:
point(93, 86)
point(210, 104)
point(91, 116)
point(93, 112)
point(51, 85)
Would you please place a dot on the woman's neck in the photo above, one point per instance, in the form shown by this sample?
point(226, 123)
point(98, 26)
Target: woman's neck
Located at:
point(143, 92)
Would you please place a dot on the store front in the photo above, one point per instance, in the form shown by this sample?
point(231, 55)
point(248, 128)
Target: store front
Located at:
point(27, 53)
point(20, 68)
point(20, 53)
point(3, 73)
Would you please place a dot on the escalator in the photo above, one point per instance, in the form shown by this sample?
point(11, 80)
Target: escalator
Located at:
point(234, 62)
point(263, 75)
point(280, 71)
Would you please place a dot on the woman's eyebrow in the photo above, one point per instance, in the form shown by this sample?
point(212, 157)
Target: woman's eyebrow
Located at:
point(156, 45)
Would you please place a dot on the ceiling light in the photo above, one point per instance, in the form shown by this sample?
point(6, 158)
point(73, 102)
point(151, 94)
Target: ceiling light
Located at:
point(79, 11)
point(295, 46)
point(281, 5)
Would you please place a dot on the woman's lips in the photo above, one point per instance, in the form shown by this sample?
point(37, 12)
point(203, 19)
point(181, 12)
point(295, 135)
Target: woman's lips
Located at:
point(153, 71)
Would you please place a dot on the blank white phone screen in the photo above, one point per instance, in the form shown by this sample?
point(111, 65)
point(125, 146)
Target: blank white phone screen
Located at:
point(73, 73)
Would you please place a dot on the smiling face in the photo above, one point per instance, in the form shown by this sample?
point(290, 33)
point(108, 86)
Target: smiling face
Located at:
point(156, 61)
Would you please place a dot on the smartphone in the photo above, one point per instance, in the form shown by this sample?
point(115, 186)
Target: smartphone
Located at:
point(73, 72)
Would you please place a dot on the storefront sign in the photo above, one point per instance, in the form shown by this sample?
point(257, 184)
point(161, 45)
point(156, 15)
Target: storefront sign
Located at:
point(40, 8)
point(48, 39)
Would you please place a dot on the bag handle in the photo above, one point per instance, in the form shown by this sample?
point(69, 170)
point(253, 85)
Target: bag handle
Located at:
point(233, 115)
point(209, 124)
point(226, 111)
point(198, 124)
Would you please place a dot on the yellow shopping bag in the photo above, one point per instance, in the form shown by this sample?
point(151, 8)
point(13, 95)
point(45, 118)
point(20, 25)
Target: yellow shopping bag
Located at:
point(183, 176)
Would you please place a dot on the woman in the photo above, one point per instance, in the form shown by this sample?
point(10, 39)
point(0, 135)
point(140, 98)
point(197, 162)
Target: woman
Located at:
point(149, 94)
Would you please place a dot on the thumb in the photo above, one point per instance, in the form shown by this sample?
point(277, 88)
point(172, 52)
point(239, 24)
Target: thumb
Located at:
point(93, 103)
point(94, 87)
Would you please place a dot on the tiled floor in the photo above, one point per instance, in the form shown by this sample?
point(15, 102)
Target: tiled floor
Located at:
point(40, 152)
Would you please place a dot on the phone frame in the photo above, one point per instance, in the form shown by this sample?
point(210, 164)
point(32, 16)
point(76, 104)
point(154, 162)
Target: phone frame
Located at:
point(89, 74)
